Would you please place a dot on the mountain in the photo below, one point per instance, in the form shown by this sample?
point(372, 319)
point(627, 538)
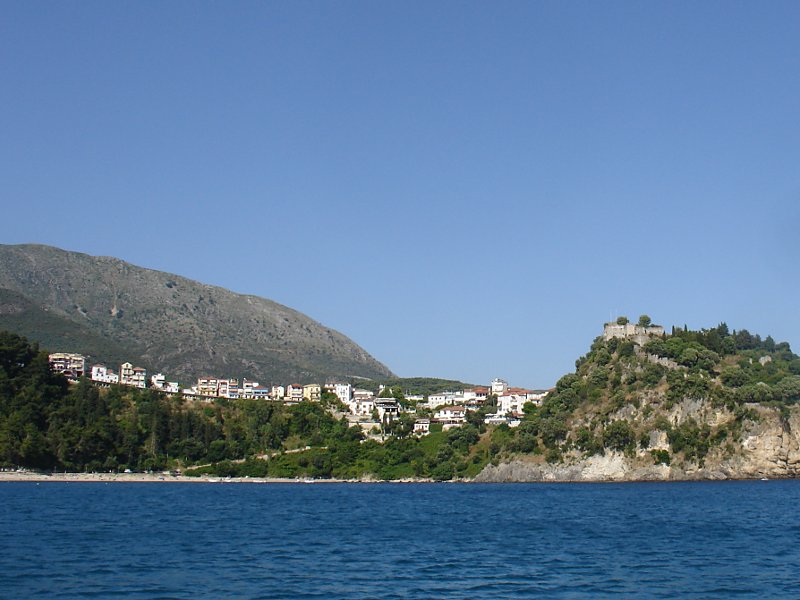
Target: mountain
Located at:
point(113, 311)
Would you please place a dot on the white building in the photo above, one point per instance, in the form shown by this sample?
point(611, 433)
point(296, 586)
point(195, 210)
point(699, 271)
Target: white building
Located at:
point(71, 365)
point(422, 426)
point(495, 419)
point(362, 403)
point(451, 415)
point(465, 396)
point(207, 386)
point(139, 378)
point(343, 391)
point(103, 374)
point(499, 387)
point(246, 391)
point(363, 407)
point(294, 393)
point(133, 376)
point(228, 388)
point(126, 373)
point(481, 393)
point(441, 399)
point(159, 382)
point(260, 392)
point(253, 390)
point(536, 396)
point(510, 404)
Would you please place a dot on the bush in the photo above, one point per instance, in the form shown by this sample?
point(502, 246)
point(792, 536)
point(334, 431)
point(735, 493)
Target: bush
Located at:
point(759, 392)
point(553, 455)
point(587, 442)
point(733, 377)
point(625, 348)
point(652, 374)
point(552, 430)
point(691, 439)
point(619, 435)
point(660, 457)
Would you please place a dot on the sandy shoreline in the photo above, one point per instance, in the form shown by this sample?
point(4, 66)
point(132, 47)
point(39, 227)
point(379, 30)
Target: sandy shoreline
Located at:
point(30, 476)
point(18, 476)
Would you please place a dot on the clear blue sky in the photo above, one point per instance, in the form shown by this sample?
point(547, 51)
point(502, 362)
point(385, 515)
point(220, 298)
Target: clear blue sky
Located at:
point(466, 189)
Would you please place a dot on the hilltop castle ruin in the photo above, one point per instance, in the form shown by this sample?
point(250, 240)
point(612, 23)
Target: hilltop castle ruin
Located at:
point(639, 334)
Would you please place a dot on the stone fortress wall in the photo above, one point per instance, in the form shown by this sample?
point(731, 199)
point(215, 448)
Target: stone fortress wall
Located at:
point(640, 335)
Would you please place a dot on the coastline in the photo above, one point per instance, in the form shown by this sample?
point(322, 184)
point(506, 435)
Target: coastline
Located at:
point(35, 477)
point(32, 476)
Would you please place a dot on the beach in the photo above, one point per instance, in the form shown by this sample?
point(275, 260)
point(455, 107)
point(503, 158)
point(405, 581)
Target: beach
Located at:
point(137, 478)
point(33, 476)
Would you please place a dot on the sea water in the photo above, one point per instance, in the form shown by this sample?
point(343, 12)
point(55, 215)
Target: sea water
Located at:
point(217, 540)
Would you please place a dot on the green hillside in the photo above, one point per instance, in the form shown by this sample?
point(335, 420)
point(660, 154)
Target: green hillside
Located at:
point(698, 403)
point(621, 393)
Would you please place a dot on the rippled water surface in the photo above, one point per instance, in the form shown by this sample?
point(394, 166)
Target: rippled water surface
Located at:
point(128, 540)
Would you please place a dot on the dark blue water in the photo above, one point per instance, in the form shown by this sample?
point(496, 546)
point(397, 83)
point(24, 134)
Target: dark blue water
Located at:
point(125, 540)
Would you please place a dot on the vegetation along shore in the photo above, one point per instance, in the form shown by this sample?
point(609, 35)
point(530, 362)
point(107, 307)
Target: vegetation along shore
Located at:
point(642, 404)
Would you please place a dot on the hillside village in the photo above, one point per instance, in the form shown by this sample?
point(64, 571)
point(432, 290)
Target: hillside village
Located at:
point(364, 408)
point(642, 403)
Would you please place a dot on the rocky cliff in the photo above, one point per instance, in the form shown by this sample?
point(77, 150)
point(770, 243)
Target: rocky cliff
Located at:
point(708, 404)
point(769, 447)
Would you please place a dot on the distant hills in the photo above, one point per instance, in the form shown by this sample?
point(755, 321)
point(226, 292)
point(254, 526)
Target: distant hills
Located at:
point(113, 311)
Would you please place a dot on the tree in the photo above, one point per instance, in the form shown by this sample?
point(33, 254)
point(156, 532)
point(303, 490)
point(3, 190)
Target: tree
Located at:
point(619, 436)
point(587, 442)
point(402, 426)
point(552, 429)
point(734, 377)
point(644, 321)
point(789, 389)
point(622, 320)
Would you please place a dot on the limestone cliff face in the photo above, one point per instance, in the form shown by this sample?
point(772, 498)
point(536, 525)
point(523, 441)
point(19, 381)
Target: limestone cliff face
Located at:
point(769, 446)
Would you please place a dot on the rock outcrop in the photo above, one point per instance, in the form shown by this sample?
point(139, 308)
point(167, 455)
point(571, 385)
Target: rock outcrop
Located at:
point(769, 447)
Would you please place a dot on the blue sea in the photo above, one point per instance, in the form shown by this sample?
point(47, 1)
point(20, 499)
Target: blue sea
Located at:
point(216, 540)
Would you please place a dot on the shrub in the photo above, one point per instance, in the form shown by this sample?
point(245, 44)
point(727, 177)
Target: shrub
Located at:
point(660, 457)
point(587, 442)
point(691, 439)
point(733, 377)
point(619, 435)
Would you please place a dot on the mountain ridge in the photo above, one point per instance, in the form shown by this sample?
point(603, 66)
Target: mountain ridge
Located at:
point(183, 327)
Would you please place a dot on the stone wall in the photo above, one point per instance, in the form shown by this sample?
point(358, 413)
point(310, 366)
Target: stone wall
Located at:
point(630, 330)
